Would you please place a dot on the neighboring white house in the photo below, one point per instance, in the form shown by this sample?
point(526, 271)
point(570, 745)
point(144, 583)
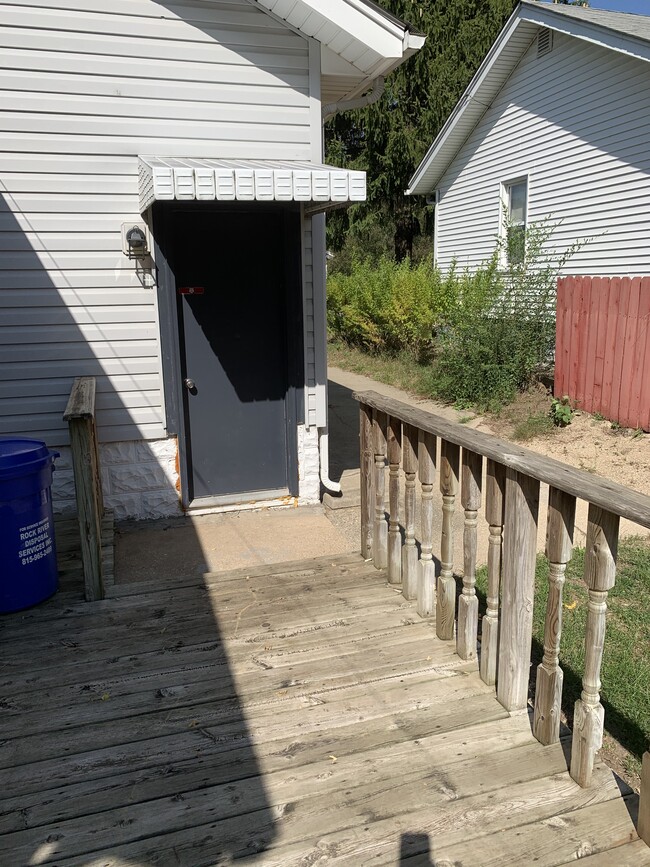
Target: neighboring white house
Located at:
point(555, 124)
point(198, 122)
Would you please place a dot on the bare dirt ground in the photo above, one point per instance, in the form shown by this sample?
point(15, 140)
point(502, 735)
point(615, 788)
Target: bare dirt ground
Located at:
point(589, 443)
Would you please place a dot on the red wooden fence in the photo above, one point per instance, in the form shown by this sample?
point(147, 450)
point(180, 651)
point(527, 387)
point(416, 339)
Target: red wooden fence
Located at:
point(602, 350)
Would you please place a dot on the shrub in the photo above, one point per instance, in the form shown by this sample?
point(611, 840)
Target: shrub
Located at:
point(487, 333)
point(390, 306)
point(504, 333)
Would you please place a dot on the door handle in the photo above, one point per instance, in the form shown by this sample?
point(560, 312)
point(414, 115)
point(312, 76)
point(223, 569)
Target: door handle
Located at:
point(189, 384)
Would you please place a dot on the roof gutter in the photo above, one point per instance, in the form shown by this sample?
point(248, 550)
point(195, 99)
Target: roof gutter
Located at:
point(373, 95)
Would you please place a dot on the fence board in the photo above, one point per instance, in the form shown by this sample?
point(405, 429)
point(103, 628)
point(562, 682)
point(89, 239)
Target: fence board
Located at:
point(612, 323)
point(642, 355)
point(603, 346)
point(644, 403)
point(574, 358)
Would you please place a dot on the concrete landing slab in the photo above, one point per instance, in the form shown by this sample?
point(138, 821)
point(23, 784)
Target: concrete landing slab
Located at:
point(191, 546)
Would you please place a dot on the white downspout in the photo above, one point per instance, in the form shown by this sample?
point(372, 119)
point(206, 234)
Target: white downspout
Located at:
point(360, 102)
point(324, 450)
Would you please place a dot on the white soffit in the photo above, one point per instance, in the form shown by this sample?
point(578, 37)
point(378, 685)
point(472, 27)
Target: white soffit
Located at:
point(165, 180)
point(359, 31)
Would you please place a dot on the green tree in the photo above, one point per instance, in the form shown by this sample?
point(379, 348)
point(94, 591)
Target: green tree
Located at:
point(388, 139)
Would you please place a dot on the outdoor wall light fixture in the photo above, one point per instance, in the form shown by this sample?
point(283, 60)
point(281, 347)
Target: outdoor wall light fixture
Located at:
point(134, 240)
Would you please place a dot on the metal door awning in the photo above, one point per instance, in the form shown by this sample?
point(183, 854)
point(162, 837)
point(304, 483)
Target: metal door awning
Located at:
point(321, 187)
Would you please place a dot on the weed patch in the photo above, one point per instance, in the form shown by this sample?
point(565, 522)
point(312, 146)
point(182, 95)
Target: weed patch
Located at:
point(536, 425)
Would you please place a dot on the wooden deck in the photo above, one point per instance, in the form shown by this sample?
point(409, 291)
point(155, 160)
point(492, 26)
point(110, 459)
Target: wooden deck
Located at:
point(294, 715)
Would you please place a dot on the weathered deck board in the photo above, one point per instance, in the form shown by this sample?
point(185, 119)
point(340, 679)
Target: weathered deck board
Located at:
point(300, 714)
point(635, 854)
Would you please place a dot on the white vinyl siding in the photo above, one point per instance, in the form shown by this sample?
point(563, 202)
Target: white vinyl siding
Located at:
point(576, 121)
point(87, 86)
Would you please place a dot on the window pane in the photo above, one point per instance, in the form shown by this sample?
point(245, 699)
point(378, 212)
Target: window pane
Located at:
point(516, 244)
point(518, 203)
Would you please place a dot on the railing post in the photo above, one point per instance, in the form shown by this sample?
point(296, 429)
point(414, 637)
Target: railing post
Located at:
point(600, 576)
point(644, 801)
point(470, 495)
point(409, 551)
point(394, 533)
point(79, 414)
point(518, 594)
point(550, 677)
point(446, 600)
point(380, 534)
point(494, 503)
point(426, 569)
point(366, 464)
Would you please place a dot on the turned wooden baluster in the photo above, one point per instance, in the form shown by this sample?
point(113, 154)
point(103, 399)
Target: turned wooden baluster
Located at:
point(367, 465)
point(446, 600)
point(494, 500)
point(518, 589)
point(426, 569)
point(394, 532)
point(644, 801)
point(380, 535)
point(470, 497)
point(600, 575)
point(409, 551)
point(548, 688)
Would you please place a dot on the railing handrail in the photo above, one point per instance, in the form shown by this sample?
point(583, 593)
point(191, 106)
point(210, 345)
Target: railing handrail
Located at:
point(81, 403)
point(402, 439)
point(601, 492)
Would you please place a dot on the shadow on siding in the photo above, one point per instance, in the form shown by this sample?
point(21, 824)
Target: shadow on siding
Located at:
point(123, 738)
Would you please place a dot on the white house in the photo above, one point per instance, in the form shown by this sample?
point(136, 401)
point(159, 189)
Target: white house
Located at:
point(555, 124)
point(198, 123)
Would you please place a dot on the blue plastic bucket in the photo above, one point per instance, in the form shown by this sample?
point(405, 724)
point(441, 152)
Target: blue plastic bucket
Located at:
point(28, 572)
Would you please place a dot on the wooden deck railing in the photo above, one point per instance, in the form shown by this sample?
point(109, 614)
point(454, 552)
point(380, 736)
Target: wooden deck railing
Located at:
point(400, 436)
point(80, 415)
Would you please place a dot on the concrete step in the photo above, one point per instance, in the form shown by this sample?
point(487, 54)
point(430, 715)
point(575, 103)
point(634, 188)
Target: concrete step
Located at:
point(350, 496)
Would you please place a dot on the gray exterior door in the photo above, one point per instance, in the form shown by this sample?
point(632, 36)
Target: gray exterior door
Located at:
point(236, 287)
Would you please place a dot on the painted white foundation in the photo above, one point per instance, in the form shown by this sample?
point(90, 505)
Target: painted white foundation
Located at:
point(308, 465)
point(140, 478)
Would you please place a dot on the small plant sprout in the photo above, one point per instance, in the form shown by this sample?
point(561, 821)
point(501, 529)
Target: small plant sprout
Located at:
point(561, 411)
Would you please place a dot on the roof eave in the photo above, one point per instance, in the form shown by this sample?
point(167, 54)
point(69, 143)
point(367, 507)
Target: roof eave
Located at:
point(383, 39)
point(416, 186)
point(425, 180)
point(590, 31)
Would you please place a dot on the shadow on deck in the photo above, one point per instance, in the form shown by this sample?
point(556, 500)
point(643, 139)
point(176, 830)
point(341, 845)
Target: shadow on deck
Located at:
point(296, 714)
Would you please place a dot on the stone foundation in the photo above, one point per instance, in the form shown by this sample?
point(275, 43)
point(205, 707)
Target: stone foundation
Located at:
point(141, 480)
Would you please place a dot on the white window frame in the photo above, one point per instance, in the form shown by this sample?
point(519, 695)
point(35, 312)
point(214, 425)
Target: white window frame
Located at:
point(504, 212)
